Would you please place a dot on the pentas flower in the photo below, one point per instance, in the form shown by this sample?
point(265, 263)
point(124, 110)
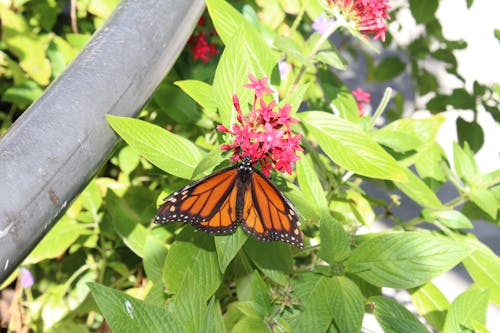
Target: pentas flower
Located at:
point(361, 97)
point(264, 134)
point(368, 16)
point(26, 278)
point(201, 48)
point(322, 23)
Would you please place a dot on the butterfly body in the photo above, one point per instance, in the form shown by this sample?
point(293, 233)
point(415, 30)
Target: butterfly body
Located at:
point(238, 195)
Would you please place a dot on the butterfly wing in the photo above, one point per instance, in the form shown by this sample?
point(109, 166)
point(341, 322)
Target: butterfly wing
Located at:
point(268, 214)
point(208, 204)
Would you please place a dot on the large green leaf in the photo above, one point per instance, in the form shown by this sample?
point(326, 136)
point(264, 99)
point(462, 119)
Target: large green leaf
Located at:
point(348, 304)
point(228, 246)
point(277, 266)
point(417, 190)
point(468, 307)
point(484, 268)
point(57, 240)
point(125, 313)
point(154, 258)
point(168, 151)
point(394, 317)
point(226, 19)
point(410, 135)
point(450, 218)
point(429, 166)
point(431, 304)
point(350, 147)
point(335, 242)
point(309, 183)
point(126, 223)
point(243, 55)
point(404, 259)
point(423, 11)
point(192, 261)
point(463, 160)
point(201, 92)
point(316, 294)
point(24, 44)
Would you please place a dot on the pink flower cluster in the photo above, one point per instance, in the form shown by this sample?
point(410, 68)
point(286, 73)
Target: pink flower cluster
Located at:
point(201, 48)
point(264, 134)
point(362, 97)
point(370, 15)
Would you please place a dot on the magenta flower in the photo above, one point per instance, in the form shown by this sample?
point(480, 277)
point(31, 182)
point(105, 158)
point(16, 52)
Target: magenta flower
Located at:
point(26, 278)
point(264, 134)
point(369, 16)
point(362, 97)
point(201, 48)
point(322, 23)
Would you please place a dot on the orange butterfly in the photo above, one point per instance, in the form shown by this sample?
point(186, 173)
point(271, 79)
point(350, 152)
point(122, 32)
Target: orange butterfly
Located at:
point(238, 195)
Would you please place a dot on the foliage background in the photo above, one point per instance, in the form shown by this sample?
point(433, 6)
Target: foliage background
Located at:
point(106, 236)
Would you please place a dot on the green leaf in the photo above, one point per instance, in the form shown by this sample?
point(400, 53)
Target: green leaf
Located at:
point(292, 50)
point(102, 8)
point(450, 218)
point(484, 268)
point(225, 18)
point(126, 223)
point(201, 92)
point(470, 133)
point(423, 11)
point(484, 199)
point(335, 242)
point(24, 93)
point(214, 321)
point(128, 159)
point(389, 68)
point(168, 151)
point(309, 183)
point(341, 98)
point(468, 306)
point(316, 295)
point(192, 260)
point(404, 259)
point(429, 166)
point(245, 53)
point(327, 53)
point(208, 163)
point(25, 45)
point(417, 190)
point(278, 266)
point(125, 313)
point(261, 295)
point(189, 306)
point(410, 135)
point(295, 99)
point(228, 246)
point(348, 304)
point(431, 304)
point(251, 324)
point(350, 147)
point(176, 104)
point(463, 160)
point(155, 253)
point(395, 318)
point(64, 233)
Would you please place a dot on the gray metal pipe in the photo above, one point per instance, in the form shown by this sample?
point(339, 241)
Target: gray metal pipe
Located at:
point(55, 148)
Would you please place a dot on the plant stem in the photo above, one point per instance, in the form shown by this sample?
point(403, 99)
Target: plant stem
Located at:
point(381, 106)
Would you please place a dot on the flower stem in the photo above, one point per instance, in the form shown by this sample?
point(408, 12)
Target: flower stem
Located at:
point(381, 106)
point(313, 51)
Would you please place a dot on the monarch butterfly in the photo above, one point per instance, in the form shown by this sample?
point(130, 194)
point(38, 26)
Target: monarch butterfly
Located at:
point(238, 195)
